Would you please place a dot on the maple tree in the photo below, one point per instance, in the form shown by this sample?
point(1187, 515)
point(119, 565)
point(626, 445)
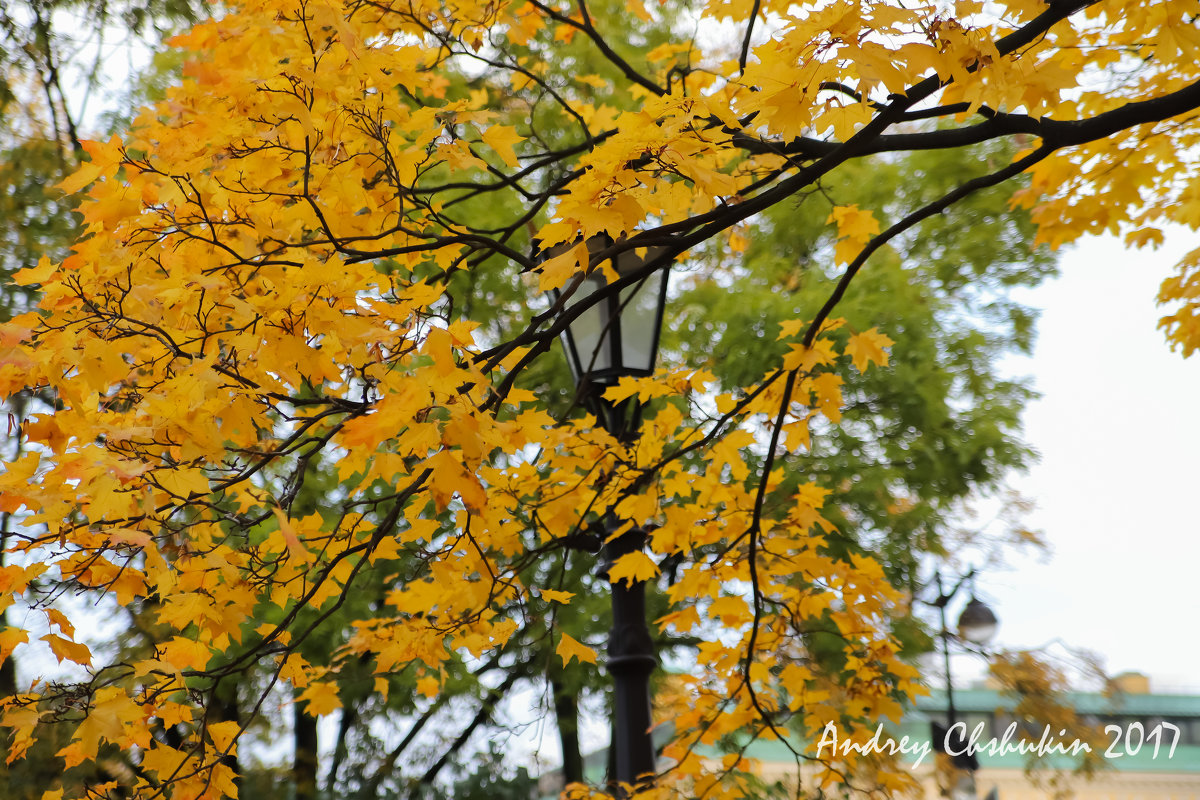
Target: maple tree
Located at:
point(52, 62)
point(276, 435)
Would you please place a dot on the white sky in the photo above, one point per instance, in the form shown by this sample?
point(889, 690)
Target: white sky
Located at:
point(1118, 429)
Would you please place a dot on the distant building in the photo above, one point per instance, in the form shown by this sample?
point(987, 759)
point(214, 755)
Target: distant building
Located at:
point(1153, 743)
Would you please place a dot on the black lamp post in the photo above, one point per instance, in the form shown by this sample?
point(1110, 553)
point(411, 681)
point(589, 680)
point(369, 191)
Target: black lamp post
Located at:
point(977, 624)
point(614, 336)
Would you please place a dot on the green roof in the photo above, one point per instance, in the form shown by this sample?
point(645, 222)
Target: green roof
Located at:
point(1150, 705)
point(1182, 710)
point(1179, 709)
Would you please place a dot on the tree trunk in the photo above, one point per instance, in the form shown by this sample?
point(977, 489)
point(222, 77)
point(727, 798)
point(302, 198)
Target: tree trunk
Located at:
point(225, 708)
point(566, 714)
point(304, 764)
point(8, 670)
point(341, 748)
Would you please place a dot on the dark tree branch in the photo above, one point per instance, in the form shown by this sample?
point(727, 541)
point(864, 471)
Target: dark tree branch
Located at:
point(588, 28)
point(936, 207)
point(486, 708)
point(745, 54)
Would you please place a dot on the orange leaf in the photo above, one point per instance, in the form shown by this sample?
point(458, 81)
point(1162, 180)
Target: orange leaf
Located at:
point(501, 138)
point(569, 648)
point(867, 347)
point(80, 178)
point(224, 735)
point(58, 618)
point(633, 567)
point(68, 650)
point(322, 699)
point(184, 653)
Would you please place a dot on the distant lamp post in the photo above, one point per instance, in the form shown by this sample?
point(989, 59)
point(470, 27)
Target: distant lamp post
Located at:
point(616, 336)
point(977, 624)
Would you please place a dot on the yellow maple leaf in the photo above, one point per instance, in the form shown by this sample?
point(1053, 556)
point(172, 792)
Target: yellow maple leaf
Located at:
point(80, 178)
point(439, 347)
point(450, 477)
point(321, 697)
point(867, 347)
point(164, 760)
point(22, 721)
point(555, 233)
point(387, 550)
point(183, 653)
point(855, 227)
point(638, 9)
point(1144, 237)
point(730, 611)
point(112, 710)
point(806, 359)
point(725, 403)
point(790, 327)
point(37, 274)
point(58, 618)
point(183, 482)
point(556, 596)
point(224, 736)
point(796, 434)
point(828, 388)
point(74, 754)
point(555, 271)
point(9, 639)
point(291, 539)
point(633, 567)
point(569, 648)
point(683, 620)
point(65, 649)
point(171, 713)
point(501, 138)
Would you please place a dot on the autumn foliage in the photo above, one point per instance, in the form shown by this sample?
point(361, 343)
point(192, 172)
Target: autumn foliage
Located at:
point(264, 398)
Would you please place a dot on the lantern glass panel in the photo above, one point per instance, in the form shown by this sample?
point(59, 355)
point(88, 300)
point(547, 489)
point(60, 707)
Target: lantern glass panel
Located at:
point(978, 633)
point(588, 331)
point(639, 323)
point(618, 334)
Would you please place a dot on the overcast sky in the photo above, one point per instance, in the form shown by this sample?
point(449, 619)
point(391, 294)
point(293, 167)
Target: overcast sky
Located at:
point(1117, 489)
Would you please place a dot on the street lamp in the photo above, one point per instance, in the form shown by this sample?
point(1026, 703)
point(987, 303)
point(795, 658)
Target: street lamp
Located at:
point(977, 624)
point(616, 335)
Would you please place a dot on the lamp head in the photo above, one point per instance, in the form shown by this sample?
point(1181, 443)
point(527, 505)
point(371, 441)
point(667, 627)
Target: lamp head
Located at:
point(617, 333)
point(977, 623)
